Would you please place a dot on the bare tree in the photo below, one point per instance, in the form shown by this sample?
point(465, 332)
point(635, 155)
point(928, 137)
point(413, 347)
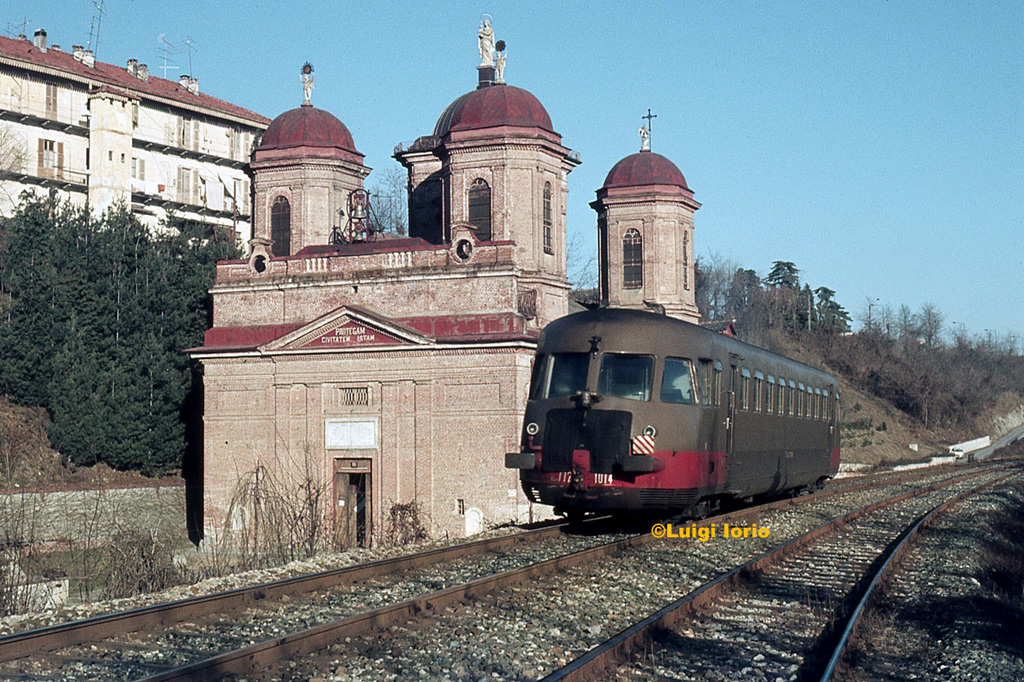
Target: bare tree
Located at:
point(931, 324)
point(907, 330)
point(716, 276)
point(12, 157)
point(580, 263)
point(390, 201)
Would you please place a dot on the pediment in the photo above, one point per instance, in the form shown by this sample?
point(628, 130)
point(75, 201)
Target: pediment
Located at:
point(347, 327)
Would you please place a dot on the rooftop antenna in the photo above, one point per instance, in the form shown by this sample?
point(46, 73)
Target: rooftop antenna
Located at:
point(22, 28)
point(189, 45)
point(166, 44)
point(94, 28)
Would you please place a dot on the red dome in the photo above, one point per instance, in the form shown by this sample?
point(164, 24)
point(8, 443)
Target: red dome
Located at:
point(644, 168)
point(307, 126)
point(495, 105)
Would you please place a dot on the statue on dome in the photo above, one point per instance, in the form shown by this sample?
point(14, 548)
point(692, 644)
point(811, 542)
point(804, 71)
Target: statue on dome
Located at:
point(485, 41)
point(499, 62)
point(645, 138)
point(306, 78)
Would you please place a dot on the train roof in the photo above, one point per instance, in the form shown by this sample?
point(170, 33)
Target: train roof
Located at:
point(644, 332)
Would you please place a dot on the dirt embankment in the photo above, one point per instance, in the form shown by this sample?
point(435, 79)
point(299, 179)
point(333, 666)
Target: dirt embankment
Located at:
point(29, 463)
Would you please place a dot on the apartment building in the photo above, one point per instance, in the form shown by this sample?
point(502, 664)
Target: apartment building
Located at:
point(102, 134)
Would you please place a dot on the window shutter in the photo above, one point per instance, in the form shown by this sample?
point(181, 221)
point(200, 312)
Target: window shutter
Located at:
point(42, 151)
point(59, 170)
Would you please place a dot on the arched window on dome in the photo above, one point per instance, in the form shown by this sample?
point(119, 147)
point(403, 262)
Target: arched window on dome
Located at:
point(480, 209)
point(632, 260)
point(281, 226)
point(548, 248)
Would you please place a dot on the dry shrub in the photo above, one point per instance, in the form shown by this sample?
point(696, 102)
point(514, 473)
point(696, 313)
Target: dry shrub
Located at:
point(26, 457)
point(140, 563)
point(403, 525)
point(274, 519)
point(14, 595)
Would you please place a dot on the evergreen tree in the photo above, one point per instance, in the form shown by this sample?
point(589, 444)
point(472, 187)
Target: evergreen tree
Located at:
point(94, 316)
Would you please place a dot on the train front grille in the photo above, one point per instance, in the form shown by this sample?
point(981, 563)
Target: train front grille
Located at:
point(605, 433)
point(668, 498)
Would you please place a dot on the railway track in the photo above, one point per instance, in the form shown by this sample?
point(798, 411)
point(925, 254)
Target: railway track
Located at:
point(253, 628)
point(786, 614)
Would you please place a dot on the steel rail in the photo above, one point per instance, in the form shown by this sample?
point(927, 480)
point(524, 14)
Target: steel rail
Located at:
point(262, 654)
point(31, 642)
point(34, 642)
point(887, 570)
point(621, 646)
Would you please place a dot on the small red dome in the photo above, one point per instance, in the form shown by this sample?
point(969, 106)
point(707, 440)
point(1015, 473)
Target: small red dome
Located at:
point(644, 168)
point(307, 126)
point(495, 105)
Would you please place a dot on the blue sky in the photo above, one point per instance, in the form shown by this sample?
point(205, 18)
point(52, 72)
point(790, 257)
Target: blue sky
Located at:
point(877, 145)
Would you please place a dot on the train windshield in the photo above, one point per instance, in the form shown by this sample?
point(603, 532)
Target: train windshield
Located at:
point(677, 382)
point(626, 376)
point(565, 374)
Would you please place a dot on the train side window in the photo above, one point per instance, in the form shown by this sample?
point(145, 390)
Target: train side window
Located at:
point(758, 391)
point(744, 396)
point(716, 389)
point(818, 411)
point(626, 376)
point(677, 382)
point(769, 399)
point(792, 398)
point(706, 382)
point(536, 376)
point(566, 374)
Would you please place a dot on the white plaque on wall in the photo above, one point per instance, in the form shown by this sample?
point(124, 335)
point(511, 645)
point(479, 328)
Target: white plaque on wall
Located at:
point(350, 434)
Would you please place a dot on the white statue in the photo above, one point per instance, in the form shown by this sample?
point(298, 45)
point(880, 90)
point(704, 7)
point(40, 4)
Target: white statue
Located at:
point(645, 138)
point(485, 41)
point(499, 67)
point(306, 78)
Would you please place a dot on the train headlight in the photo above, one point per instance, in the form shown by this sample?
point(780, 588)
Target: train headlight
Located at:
point(650, 431)
point(532, 429)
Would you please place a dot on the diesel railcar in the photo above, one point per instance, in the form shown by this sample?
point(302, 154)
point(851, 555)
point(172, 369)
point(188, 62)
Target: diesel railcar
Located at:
point(630, 410)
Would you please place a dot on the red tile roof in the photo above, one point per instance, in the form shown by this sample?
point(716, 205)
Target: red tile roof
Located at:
point(489, 107)
point(492, 327)
point(21, 50)
point(644, 168)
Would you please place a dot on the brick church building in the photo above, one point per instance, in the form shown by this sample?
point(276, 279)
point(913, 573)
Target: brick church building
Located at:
point(396, 369)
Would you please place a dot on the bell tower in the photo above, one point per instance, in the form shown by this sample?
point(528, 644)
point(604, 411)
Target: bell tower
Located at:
point(495, 163)
point(645, 235)
point(304, 171)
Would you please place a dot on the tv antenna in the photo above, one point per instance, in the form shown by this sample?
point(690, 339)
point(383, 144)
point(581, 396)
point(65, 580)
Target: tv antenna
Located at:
point(190, 46)
point(22, 28)
point(94, 28)
point(163, 49)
